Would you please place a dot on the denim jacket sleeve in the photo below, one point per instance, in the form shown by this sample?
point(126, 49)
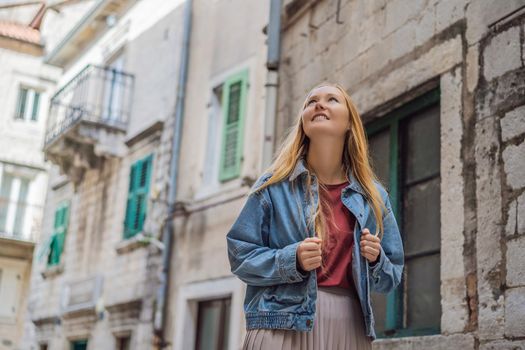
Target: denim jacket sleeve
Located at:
point(386, 273)
point(250, 257)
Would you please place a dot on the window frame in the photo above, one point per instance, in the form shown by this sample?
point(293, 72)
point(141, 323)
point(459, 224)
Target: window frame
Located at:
point(135, 191)
point(225, 304)
point(80, 342)
point(395, 312)
point(15, 204)
point(123, 341)
point(28, 111)
point(184, 334)
point(226, 174)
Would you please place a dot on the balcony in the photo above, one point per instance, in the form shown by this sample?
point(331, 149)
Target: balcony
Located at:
point(88, 119)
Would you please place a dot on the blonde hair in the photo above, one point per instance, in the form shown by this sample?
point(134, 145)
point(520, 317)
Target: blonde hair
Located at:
point(355, 158)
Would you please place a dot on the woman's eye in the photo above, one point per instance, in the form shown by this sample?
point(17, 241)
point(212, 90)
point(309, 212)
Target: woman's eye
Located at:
point(331, 98)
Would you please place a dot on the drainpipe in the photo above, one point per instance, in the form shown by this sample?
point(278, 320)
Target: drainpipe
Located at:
point(162, 305)
point(272, 81)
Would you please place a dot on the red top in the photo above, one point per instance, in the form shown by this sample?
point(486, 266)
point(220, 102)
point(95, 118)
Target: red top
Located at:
point(337, 254)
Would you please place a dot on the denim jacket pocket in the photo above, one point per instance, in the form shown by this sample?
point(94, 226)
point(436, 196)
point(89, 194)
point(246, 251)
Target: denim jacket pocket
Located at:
point(282, 297)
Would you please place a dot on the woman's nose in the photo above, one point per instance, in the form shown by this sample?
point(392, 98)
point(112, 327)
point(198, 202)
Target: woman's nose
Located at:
point(319, 105)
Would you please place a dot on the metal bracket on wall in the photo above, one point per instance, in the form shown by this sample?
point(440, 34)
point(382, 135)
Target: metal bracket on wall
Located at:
point(338, 12)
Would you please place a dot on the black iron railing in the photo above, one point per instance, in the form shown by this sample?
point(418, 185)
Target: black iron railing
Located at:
point(97, 94)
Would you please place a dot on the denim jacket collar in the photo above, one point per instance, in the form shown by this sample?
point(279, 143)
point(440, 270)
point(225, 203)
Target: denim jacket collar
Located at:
point(301, 168)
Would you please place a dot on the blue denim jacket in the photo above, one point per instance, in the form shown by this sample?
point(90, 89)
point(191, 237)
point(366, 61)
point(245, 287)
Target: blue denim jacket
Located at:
point(262, 246)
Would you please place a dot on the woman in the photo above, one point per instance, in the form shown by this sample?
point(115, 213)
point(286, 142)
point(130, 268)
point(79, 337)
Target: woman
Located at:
point(316, 235)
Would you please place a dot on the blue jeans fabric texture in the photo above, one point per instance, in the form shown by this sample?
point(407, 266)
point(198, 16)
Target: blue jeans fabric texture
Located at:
point(263, 241)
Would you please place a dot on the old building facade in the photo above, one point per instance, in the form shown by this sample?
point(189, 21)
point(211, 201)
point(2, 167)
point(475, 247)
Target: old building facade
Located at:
point(440, 88)
point(220, 158)
point(439, 85)
point(96, 271)
point(25, 86)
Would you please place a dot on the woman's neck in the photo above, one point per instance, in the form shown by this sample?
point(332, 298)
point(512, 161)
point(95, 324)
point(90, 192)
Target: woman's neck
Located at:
point(325, 160)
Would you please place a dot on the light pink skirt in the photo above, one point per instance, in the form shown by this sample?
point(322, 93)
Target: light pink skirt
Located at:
point(338, 325)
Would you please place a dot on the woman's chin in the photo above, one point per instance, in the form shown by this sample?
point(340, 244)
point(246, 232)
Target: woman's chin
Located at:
point(324, 131)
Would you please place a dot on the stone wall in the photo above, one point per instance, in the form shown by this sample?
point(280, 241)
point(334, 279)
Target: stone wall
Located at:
point(388, 52)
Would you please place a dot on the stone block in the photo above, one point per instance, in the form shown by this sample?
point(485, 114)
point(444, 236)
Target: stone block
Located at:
point(512, 214)
point(472, 67)
point(402, 40)
point(426, 25)
point(516, 217)
point(502, 54)
point(489, 255)
point(453, 289)
point(398, 12)
point(435, 342)
point(515, 312)
point(448, 12)
point(516, 262)
point(480, 14)
point(513, 123)
point(514, 165)
point(503, 345)
point(520, 219)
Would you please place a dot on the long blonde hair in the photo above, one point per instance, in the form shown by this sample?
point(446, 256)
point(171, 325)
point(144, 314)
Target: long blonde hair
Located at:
point(355, 158)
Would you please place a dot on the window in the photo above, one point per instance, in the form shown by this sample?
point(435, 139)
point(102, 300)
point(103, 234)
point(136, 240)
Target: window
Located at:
point(405, 151)
point(114, 88)
point(13, 205)
point(207, 309)
point(223, 157)
point(139, 180)
point(79, 345)
point(10, 289)
point(123, 343)
point(56, 244)
point(233, 105)
point(213, 324)
point(27, 105)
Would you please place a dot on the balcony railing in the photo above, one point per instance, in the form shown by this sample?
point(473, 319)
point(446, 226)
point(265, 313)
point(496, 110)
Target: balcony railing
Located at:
point(98, 95)
point(88, 119)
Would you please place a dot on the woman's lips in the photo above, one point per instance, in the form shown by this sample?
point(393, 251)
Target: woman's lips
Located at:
point(320, 116)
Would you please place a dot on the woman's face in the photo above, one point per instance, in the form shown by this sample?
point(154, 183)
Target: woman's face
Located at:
point(325, 113)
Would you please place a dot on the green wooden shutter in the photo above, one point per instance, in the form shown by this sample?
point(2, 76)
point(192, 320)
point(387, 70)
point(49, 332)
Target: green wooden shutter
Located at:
point(136, 208)
point(143, 191)
point(233, 111)
point(59, 234)
point(52, 257)
point(131, 203)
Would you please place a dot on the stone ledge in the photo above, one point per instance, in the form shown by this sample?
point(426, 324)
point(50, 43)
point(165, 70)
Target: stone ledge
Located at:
point(53, 271)
point(440, 341)
point(123, 306)
point(128, 245)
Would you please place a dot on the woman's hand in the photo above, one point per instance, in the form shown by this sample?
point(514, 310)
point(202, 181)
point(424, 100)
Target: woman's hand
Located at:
point(370, 246)
point(309, 253)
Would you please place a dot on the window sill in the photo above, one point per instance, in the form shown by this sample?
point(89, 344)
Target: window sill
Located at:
point(130, 244)
point(53, 271)
point(219, 190)
point(59, 181)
